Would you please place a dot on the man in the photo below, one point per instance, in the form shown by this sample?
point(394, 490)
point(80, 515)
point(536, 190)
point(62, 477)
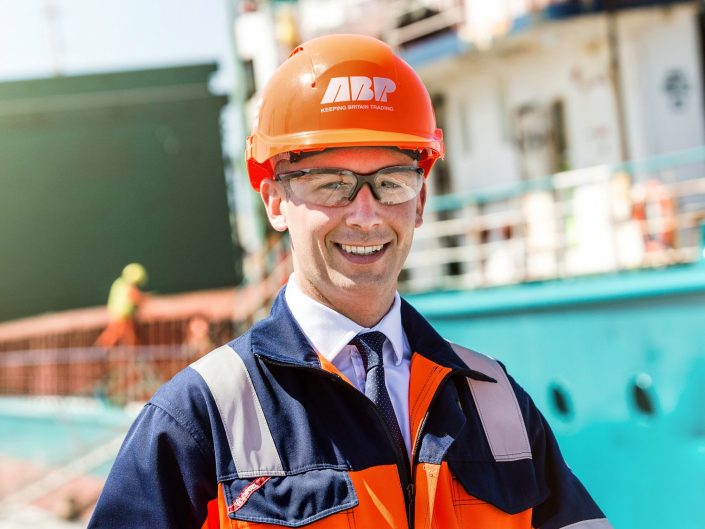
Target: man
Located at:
point(344, 408)
point(124, 301)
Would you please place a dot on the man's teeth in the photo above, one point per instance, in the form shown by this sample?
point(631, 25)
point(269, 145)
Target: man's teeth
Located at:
point(362, 250)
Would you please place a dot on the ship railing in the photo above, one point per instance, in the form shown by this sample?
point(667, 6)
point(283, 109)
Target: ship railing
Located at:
point(58, 357)
point(415, 20)
point(636, 215)
point(116, 375)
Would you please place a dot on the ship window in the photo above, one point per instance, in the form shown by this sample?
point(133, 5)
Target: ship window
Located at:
point(560, 401)
point(643, 394)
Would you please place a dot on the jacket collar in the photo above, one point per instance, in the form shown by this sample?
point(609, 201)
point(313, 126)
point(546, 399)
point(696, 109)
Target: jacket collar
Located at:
point(329, 331)
point(426, 341)
point(279, 338)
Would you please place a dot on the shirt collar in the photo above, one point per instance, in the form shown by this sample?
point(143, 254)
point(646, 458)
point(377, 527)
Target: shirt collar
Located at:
point(329, 331)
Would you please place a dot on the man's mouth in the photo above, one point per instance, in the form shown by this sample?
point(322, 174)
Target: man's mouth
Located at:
point(361, 250)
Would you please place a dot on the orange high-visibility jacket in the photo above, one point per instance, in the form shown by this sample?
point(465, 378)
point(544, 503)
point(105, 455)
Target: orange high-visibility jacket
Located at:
point(264, 433)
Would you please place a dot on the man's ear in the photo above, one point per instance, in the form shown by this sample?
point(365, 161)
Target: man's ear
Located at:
point(273, 196)
point(420, 204)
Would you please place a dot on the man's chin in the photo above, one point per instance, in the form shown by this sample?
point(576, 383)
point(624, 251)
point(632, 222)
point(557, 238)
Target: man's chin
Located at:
point(364, 282)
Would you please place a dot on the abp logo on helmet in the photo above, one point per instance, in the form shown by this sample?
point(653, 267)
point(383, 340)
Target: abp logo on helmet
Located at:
point(357, 88)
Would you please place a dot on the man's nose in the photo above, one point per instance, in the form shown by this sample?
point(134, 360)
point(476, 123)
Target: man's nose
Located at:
point(364, 209)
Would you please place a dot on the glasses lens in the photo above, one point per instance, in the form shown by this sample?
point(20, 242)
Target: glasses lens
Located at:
point(325, 188)
point(395, 185)
point(334, 187)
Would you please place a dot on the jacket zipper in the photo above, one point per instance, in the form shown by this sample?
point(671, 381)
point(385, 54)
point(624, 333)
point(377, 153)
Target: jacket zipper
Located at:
point(404, 468)
point(415, 447)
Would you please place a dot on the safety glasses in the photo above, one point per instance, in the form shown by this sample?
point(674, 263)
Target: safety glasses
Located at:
point(332, 187)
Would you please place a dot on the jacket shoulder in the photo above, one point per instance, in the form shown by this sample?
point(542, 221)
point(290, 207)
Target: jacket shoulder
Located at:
point(498, 407)
point(230, 385)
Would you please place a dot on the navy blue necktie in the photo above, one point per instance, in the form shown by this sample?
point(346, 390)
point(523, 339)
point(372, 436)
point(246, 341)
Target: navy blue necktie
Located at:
point(370, 347)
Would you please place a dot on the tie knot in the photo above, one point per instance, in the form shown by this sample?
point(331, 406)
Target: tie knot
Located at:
point(370, 345)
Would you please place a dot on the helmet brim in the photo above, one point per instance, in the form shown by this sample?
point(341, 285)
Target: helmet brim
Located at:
point(259, 166)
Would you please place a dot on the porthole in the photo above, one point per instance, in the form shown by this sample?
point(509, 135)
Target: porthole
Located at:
point(560, 400)
point(643, 395)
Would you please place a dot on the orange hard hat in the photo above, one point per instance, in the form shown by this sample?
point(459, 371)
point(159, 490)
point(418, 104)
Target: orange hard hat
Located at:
point(342, 91)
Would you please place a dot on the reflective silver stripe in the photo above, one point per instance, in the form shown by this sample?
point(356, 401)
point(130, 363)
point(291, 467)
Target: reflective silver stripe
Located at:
point(250, 439)
point(597, 523)
point(498, 408)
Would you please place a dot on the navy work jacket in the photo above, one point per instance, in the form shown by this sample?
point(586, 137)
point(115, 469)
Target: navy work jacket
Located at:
point(263, 432)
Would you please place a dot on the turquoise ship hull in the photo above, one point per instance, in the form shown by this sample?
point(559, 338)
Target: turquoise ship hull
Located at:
point(617, 365)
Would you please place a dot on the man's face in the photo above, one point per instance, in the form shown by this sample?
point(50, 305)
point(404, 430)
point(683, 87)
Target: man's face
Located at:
point(349, 254)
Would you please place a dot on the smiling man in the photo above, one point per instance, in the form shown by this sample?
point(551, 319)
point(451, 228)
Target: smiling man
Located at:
point(349, 241)
point(344, 408)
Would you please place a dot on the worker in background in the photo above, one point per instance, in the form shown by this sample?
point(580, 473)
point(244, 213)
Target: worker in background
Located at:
point(197, 338)
point(124, 301)
point(344, 408)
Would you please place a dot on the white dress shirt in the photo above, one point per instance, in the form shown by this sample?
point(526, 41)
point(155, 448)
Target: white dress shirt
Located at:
point(330, 333)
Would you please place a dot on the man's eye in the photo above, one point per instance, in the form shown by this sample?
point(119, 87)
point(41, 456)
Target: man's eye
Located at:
point(334, 185)
point(390, 184)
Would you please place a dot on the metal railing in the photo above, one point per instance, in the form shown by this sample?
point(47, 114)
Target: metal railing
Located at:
point(66, 362)
point(596, 220)
point(117, 375)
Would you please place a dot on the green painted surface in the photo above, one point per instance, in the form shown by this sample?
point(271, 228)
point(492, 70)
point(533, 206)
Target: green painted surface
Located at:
point(98, 171)
point(595, 338)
